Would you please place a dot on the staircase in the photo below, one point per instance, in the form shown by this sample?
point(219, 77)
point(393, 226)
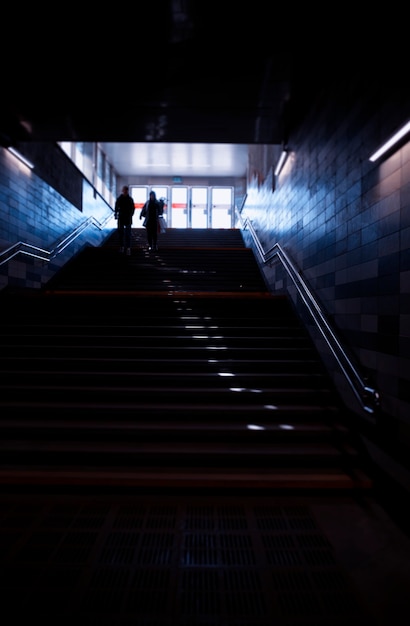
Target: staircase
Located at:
point(169, 369)
point(189, 261)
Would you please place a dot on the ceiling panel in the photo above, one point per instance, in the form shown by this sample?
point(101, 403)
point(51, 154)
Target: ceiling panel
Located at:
point(177, 159)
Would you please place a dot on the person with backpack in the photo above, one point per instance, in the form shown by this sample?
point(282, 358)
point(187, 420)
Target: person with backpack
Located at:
point(151, 211)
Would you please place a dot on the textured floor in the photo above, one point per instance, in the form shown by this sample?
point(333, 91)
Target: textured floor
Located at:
point(155, 560)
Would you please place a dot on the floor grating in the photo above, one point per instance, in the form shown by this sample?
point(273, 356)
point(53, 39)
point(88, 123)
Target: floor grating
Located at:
point(157, 562)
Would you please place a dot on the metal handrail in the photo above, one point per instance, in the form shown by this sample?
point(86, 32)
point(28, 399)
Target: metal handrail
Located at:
point(21, 247)
point(366, 395)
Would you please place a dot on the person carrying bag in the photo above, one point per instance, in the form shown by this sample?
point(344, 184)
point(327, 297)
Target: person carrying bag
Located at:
point(151, 212)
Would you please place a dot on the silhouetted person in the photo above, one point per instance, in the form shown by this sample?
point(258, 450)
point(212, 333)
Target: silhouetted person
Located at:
point(151, 211)
point(123, 212)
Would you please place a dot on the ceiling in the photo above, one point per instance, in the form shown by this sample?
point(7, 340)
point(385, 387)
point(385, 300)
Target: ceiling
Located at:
point(176, 71)
point(177, 159)
point(178, 85)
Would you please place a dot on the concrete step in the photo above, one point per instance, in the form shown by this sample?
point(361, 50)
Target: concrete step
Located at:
point(139, 390)
point(301, 479)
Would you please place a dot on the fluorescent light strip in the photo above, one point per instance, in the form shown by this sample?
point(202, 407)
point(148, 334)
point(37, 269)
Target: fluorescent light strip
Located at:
point(281, 162)
point(393, 140)
point(20, 157)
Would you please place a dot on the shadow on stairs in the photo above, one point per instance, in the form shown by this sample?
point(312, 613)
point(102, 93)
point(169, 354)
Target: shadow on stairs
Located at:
point(169, 369)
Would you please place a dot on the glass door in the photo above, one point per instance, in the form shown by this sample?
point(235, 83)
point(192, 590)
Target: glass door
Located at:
point(178, 216)
point(139, 193)
point(208, 207)
point(199, 207)
point(222, 207)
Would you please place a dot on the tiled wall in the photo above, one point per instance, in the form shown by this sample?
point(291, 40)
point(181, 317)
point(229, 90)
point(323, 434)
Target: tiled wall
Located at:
point(36, 213)
point(345, 222)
